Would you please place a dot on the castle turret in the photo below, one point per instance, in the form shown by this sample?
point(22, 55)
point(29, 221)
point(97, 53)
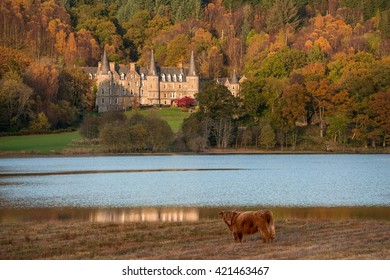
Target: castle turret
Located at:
point(234, 78)
point(192, 70)
point(192, 79)
point(152, 66)
point(105, 63)
point(153, 85)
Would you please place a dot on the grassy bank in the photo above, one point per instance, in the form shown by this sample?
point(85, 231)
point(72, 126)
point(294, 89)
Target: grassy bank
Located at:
point(67, 142)
point(205, 239)
point(173, 116)
point(41, 144)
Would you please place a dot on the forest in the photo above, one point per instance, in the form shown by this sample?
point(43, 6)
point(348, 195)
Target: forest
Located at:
point(317, 71)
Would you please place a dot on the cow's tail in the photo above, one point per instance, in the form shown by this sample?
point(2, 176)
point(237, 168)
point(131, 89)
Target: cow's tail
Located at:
point(270, 220)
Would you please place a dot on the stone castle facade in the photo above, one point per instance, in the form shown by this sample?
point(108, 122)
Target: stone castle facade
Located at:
point(121, 87)
point(125, 86)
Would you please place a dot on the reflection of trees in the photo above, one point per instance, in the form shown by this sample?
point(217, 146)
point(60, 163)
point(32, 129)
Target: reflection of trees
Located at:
point(146, 215)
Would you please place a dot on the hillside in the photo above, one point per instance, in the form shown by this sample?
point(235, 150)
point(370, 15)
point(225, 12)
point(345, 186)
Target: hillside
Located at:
point(311, 65)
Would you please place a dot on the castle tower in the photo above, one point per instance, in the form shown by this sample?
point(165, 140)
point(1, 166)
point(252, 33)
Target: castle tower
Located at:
point(105, 66)
point(192, 70)
point(234, 85)
point(152, 86)
point(192, 78)
point(234, 77)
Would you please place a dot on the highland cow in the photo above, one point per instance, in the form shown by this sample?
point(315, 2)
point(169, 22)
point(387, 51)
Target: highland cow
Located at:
point(250, 222)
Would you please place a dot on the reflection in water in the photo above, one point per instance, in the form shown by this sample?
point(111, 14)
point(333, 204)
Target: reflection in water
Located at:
point(146, 215)
point(181, 214)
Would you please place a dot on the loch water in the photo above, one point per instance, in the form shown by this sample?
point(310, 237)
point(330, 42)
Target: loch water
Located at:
point(187, 182)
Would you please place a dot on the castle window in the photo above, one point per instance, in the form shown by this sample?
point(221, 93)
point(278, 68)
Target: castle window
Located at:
point(173, 85)
point(169, 77)
point(173, 94)
point(122, 76)
point(129, 83)
point(102, 91)
point(102, 100)
point(233, 87)
point(136, 84)
point(179, 86)
point(142, 76)
point(165, 95)
point(142, 92)
point(165, 86)
point(116, 100)
point(174, 77)
point(180, 77)
point(143, 83)
point(131, 92)
point(163, 77)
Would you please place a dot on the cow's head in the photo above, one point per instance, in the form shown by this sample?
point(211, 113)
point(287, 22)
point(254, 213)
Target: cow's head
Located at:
point(227, 217)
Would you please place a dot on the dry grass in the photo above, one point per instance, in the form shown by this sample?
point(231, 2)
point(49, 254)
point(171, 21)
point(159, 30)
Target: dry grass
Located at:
point(206, 239)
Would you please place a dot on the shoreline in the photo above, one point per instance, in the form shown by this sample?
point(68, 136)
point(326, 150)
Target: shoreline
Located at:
point(69, 153)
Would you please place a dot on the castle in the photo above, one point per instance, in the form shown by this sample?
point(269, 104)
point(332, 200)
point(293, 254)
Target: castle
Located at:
point(124, 86)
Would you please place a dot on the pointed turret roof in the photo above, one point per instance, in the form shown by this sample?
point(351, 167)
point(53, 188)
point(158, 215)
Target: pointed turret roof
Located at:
point(192, 71)
point(234, 78)
point(105, 64)
point(152, 66)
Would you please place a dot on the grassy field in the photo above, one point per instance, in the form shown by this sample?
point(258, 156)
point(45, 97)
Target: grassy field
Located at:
point(62, 142)
point(43, 143)
point(205, 239)
point(174, 116)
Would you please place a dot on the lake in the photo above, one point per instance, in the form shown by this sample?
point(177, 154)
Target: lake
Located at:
point(190, 182)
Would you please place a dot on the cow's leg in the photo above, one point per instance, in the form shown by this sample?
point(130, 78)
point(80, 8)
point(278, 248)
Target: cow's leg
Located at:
point(240, 236)
point(265, 235)
point(236, 236)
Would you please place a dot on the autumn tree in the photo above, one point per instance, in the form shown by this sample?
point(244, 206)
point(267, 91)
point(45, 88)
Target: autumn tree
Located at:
point(283, 15)
point(218, 110)
point(15, 102)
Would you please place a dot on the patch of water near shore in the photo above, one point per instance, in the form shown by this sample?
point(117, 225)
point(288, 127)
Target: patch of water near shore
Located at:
point(181, 214)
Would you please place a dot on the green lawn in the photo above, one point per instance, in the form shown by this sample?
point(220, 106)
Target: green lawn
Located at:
point(44, 143)
point(174, 116)
point(52, 143)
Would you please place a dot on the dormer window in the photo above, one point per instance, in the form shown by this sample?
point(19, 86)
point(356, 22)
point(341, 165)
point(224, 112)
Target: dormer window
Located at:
point(122, 76)
point(169, 77)
point(180, 77)
point(174, 77)
point(142, 76)
point(163, 77)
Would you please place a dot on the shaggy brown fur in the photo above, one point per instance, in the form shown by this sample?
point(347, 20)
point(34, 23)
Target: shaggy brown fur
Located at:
point(250, 222)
